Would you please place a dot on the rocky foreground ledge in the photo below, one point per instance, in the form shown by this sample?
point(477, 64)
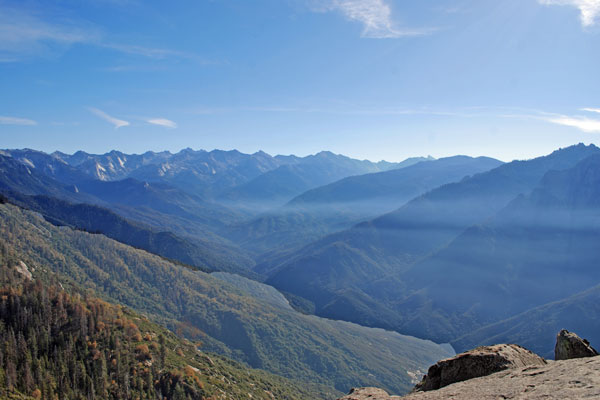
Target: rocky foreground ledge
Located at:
point(569, 379)
point(507, 372)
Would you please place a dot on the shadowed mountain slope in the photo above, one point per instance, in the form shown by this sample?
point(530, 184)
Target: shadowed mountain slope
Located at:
point(91, 218)
point(535, 327)
point(63, 204)
point(362, 269)
point(541, 248)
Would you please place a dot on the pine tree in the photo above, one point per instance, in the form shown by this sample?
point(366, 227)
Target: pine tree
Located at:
point(163, 351)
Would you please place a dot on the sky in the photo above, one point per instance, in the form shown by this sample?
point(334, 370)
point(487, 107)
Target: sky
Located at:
point(371, 79)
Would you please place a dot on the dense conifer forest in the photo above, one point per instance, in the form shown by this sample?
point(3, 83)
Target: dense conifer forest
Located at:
point(60, 345)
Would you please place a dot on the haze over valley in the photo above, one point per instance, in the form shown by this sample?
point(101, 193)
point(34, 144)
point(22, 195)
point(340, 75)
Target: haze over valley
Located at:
point(299, 199)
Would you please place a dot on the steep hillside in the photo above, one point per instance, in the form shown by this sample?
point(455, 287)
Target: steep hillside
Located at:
point(91, 218)
point(269, 337)
point(255, 289)
point(541, 248)
point(348, 273)
point(535, 328)
point(56, 344)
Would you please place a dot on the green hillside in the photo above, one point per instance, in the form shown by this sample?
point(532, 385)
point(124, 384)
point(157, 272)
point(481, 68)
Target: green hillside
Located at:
point(282, 341)
point(60, 345)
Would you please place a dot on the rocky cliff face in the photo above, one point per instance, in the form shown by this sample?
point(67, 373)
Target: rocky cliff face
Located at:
point(569, 345)
point(507, 372)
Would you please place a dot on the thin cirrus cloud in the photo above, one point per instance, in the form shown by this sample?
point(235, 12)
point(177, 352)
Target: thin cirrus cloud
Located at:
point(374, 15)
point(117, 123)
point(156, 53)
point(594, 110)
point(24, 34)
point(585, 124)
point(167, 123)
point(589, 10)
point(4, 120)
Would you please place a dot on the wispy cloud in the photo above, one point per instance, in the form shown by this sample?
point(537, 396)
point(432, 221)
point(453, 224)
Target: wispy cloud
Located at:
point(585, 124)
point(374, 15)
point(118, 123)
point(167, 123)
point(343, 109)
point(589, 9)
point(4, 120)
point(594, 110)
point(581, 122)
point(25, 34)
point(155, 52)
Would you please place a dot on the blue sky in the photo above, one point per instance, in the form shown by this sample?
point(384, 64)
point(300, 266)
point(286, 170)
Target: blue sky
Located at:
point(376, 79)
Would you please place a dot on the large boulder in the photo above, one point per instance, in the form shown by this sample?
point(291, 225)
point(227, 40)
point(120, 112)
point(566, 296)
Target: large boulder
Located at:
point(569, 345)
point(481, 361)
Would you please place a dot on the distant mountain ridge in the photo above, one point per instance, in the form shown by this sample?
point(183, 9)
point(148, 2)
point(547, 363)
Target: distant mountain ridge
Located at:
point(341, 204)
point(217, 172)
point(112, 165)
point(276, 187)
point(399, 183)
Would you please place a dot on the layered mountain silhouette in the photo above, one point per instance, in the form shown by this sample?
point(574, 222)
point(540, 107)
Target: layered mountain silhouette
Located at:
point(341, 204)
point(385, 272)
point(280, 185)
point(540, 248)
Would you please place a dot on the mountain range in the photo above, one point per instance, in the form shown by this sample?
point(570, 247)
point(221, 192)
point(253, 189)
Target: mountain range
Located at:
point(276, 187)
point(380, 272)
point(339, 205)
point(327, 271)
